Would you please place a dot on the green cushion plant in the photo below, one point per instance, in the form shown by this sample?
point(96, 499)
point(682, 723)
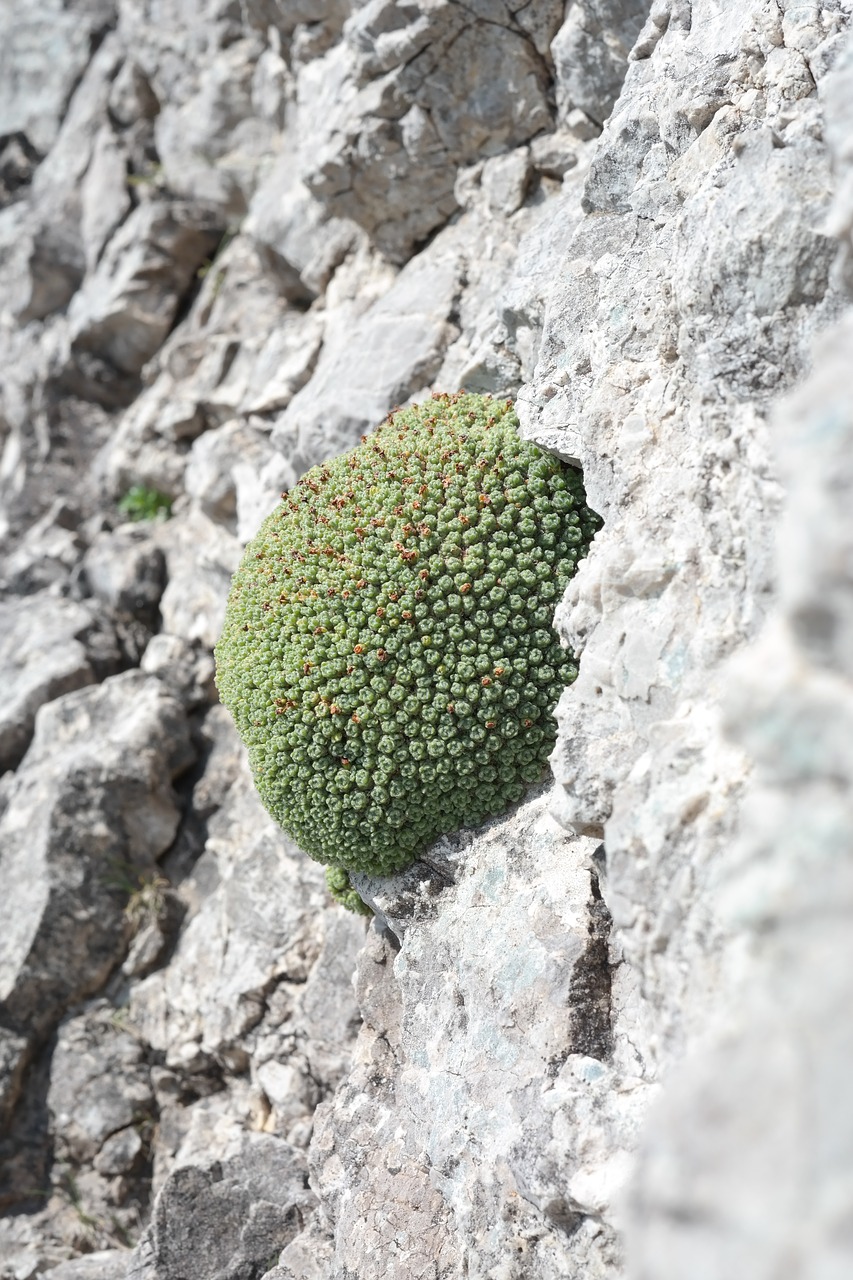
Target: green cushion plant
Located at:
point(388, 653)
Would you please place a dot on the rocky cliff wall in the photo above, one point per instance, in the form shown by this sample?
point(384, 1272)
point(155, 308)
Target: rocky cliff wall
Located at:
point(608, 1035)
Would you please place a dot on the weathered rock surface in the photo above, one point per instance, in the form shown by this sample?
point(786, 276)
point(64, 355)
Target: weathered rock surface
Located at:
point(48, 646)
point(605, 1036)
point(228, 1219)
point(86, 815)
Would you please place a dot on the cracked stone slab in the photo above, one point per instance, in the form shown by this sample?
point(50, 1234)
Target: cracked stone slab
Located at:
point(90, 809)
point(48, 646)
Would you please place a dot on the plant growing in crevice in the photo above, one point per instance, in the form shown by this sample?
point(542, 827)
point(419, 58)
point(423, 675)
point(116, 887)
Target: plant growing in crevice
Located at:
point(388, 653)
point(142, 503)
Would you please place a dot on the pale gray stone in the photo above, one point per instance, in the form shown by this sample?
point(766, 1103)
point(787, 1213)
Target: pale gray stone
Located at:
point(43, 53)
point(211, 144)
point(120, 1153)
point(104, 196)
point(396, 351)
point(104, 1264)
point(126, 307)
point(46, 649)
point(125, 570)
point(236, 477)
point(241, 351)
point(99, 1086)
point(590, 54)
point(91, 808)
point(49, 259)
point(228, 1218)
point(201, 558)
point(131, 96)
point(185, 669)
point(391, 112)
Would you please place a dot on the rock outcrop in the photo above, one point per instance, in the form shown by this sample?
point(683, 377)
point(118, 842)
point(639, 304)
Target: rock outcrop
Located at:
point(607, 1035)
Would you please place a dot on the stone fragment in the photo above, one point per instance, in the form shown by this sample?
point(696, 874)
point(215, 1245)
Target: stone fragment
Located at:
point(237, 477)
point(43, 53)
point(212, 144)
point(48, 646)
point(553, 154)
point(186, 670)
point(201, 558)
point(104, 196)
point(49, 259)
point(91, 808)
point(245, 940)
point(389, 114)
point(119, 1154)
point(104, 1264)
point(226, 1218)
point(305, 244)
point(396, 350)
point(591, 54)
point(131, 95)
point(505, 180)
point(99, 1086)
point(125, 570)
point(127, 305)
point(18, 160)
point(241, 351)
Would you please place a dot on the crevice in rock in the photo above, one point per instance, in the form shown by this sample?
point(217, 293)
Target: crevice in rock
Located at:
point(590, 985)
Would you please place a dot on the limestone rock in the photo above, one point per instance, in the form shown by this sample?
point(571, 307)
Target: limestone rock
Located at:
point(595, 1037)
point(127, 305)
point(591, 51)
point(42, 56)
point(409, 96)
point(237, 477)
point(48, 646)
point(407, 328)
point(185, 670)
point(105, 1264)
point(227, 1218)
point(49, 258)
point(242, 351)
point(200, 560)
point(91, 808)
point(99, 1087)
point(248, 974)
point(124, 569)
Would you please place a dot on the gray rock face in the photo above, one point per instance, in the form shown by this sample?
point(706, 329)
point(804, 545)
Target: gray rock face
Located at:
point(605, 1036)
point(228, 1219)
point(411, 93)
point(127, 306)
point(590, 53)
point(88, 812)
point(48, 646)
point(44, 53)
point(99, 1087)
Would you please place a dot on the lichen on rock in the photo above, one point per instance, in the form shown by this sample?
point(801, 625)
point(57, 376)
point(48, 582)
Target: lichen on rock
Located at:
point(388, 652)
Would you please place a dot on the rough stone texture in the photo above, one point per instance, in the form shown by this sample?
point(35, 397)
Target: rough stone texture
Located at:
point(126, 308)
point(88, 811)
point(48, 646)
point(777, 1065)
point(42, 56)
point(606, 1036)
point(228, 1219)
point(408, 95)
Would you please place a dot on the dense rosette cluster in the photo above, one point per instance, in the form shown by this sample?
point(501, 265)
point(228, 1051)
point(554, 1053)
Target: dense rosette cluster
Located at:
point(388, 652)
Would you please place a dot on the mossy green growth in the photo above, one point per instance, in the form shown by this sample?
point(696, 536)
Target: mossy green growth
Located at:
point(142, 503)
point(388, 653)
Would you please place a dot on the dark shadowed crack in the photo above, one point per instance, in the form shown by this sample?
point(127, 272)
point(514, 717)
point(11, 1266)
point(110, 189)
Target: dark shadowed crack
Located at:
point(590, 984)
